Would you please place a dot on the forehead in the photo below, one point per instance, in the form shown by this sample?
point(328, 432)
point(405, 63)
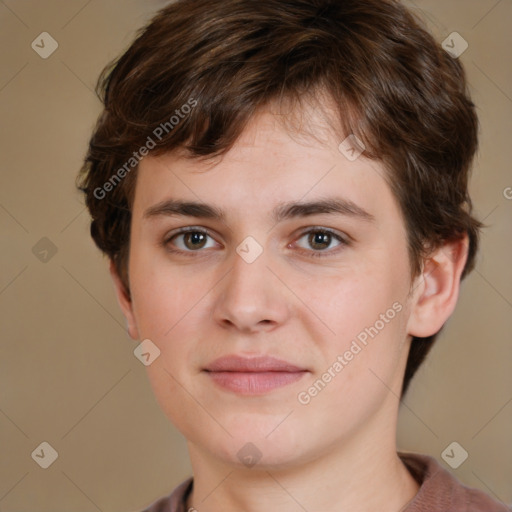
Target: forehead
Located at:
point(271, 163)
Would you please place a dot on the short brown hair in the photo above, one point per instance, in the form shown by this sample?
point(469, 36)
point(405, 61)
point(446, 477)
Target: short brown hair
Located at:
point(394, 86)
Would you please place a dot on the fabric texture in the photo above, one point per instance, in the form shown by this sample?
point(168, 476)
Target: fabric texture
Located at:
point(439, 491)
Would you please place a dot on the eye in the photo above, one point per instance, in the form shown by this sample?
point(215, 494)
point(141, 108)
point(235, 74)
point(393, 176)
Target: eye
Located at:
point(315, 241)
point(190, 240)
point(320, 240)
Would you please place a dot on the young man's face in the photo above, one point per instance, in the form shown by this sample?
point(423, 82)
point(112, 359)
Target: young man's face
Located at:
point(303, 300)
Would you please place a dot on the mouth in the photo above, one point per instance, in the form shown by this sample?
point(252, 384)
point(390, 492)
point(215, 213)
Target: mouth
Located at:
point(253, 376)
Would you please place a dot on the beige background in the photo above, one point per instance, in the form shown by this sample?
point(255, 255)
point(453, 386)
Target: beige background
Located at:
point(68, 374)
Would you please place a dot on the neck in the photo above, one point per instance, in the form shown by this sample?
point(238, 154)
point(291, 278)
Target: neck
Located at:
point(363, 474)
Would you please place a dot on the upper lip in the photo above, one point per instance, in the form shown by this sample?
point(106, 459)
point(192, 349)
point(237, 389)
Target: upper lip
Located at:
point(234, 363)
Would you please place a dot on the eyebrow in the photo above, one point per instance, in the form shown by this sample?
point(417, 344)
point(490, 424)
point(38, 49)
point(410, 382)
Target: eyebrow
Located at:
point(283, 211)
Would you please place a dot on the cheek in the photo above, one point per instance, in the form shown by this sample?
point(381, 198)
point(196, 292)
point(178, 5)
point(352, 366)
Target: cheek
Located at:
point(169, 315)
point(360, 368)
point(365, 310)
point(176, 398)
point(171, 309)
point(351, 300)
point(162, 296)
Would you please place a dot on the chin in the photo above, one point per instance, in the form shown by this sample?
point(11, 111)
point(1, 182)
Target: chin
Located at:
point(251, 449)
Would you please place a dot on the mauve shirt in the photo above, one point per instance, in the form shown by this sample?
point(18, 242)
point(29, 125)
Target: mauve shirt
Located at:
point(439, 491)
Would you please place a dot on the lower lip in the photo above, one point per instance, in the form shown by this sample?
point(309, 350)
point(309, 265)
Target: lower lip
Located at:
point(254, 383)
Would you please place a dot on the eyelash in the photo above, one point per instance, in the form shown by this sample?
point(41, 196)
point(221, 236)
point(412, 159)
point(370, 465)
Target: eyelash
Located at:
point(344, 242)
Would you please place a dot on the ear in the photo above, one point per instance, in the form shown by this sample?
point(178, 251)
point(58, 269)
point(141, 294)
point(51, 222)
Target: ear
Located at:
point(125, 302)
point(436, 290)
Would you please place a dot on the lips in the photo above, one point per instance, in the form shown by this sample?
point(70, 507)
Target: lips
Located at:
point(254, 375)
point(251, 364)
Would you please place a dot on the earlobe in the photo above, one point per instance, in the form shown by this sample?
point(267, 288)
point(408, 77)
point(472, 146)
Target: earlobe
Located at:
point(124, 302)
point(437, 289)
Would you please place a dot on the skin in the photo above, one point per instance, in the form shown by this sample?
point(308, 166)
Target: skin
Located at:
point(338, 452)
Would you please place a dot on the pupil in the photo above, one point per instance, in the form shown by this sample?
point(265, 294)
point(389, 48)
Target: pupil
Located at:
point(320, 239)
point(196, 240)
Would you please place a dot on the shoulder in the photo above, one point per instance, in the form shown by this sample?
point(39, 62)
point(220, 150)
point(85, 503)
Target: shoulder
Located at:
point(442, 492)
point(174, 502)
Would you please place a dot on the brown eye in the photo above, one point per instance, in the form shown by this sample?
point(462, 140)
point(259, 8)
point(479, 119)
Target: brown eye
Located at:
point(190, 240)
point(194, 240)
point(321, 242)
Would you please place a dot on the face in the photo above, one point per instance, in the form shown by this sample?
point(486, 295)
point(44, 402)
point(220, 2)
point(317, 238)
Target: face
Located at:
point(279, 300)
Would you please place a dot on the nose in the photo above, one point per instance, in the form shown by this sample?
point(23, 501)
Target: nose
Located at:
point(250, 298)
